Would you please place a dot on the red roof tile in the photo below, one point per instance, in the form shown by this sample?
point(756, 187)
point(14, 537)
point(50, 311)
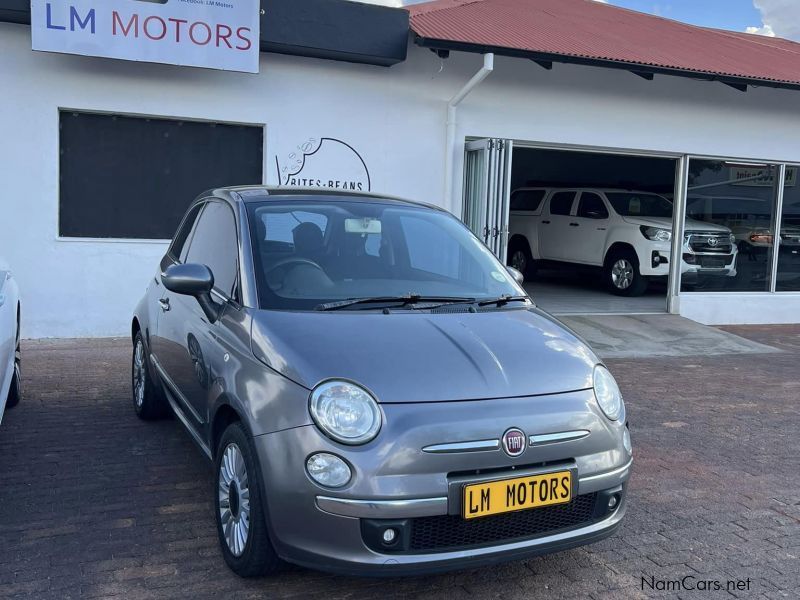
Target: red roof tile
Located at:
point(589, 31)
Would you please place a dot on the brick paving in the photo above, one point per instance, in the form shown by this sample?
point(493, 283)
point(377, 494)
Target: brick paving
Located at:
point(95, 503)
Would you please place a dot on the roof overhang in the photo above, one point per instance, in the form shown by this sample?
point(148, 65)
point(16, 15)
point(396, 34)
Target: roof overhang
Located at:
point(546, 60)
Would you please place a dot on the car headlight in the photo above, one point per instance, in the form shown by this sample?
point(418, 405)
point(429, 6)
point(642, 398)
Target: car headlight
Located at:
point(733, 239)
point(656, 234)
point(607, 394)
point(345, 412)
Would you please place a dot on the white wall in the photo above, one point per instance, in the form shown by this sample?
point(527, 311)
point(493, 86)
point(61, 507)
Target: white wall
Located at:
point(394, 117)
point(89, 288)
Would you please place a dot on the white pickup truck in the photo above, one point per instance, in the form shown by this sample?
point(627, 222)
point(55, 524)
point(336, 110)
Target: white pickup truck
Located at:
point(626, 233)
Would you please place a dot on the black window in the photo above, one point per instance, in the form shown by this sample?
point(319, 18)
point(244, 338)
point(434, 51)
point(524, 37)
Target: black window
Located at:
point(214, 244)
point(591, 206)
point(561, 203)
point(526, 200)
point(133, 177)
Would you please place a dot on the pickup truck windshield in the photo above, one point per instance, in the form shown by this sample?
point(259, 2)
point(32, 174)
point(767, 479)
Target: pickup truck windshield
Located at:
point(632, 204)
point(311, 251)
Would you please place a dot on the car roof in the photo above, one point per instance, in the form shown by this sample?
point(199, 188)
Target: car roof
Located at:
point(249, 194)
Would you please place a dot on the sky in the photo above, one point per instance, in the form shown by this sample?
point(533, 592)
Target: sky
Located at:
point(765, 17)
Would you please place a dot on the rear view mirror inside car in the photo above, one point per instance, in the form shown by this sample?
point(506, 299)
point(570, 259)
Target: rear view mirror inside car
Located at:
point(365, 225)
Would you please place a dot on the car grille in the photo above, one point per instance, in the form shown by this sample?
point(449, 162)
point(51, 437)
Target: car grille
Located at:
point(452, 532)
point(714, 262)
point(718, 243)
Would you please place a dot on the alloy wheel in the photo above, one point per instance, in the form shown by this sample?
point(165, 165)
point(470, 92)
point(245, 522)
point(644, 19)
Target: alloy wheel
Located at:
point(622, 274)
point(139, 374)
point(234, 499)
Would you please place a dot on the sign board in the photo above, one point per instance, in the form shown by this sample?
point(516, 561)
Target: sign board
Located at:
point(756, 177)
point(216, 34)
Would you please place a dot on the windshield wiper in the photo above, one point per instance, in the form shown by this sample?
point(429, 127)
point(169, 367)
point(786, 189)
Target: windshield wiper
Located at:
point(399, 301)
point(503, 300)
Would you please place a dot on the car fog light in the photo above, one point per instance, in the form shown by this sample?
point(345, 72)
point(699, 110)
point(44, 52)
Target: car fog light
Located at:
point(328, 470)
point(389, 536)
point(626, 441)
point(612, 502)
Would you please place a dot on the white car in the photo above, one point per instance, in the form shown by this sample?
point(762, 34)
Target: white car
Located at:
point(626, 233)
point(10, 356)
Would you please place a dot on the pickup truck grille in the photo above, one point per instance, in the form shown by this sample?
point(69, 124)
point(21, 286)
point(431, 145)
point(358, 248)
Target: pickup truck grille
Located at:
point(710, 242)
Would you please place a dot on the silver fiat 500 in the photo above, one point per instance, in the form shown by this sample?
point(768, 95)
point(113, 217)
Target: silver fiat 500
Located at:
point(378, 394)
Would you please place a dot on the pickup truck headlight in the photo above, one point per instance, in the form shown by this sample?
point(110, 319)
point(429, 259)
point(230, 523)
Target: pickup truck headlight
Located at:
point(607, 394)
point(345, 412)
point(656, 234)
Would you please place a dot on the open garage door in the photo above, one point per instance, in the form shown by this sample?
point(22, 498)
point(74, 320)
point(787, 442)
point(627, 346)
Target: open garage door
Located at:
point(592, 230)
point(487, 189)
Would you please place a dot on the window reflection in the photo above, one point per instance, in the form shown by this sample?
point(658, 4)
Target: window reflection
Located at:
point(789, 256)
point(729, 224)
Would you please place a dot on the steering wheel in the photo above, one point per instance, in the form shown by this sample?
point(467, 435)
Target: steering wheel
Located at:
point(294, 260)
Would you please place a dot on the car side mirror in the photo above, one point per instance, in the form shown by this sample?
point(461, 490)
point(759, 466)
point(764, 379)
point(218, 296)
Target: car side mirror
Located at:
point(518, 277)
point(195, 280)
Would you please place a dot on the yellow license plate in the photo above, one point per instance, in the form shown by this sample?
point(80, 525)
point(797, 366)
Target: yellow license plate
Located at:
point(508, 495)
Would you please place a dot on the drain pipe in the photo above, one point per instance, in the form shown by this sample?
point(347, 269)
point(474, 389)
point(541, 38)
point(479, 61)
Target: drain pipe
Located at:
point(450, 142)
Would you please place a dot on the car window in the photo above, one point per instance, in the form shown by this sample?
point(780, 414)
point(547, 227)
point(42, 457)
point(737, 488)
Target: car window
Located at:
point(215, 245)
point(561, 203)
point(279, 227)
point(428, 249)
point(179, 246)
point(527, 200)
point(635, 204)
point(591, 206)
point(370, 248)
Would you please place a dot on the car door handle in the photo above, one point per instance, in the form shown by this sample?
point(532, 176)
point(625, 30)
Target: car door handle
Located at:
point(546, 222)
point(574, 224)
point(164, 302)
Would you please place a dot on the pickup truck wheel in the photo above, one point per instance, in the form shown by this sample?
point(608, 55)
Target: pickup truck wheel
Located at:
point(240, 510)
point(623, 276)
point(148, 400)
point(519, 257)
point(15, 391)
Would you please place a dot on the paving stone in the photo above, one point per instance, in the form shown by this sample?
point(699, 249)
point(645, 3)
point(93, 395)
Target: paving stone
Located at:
point(97, 504)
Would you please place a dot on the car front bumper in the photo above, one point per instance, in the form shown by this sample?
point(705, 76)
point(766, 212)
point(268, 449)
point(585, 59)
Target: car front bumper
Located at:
point(395, 484)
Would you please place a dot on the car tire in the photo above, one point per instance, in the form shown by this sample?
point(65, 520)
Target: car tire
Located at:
point(622, 274)
point(148, 398)
point(15, 391)
point(519, 257)
point(239, 509)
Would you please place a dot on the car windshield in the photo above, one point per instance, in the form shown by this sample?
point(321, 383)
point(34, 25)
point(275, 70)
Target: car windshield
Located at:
point(633, 204)
point(310, 251)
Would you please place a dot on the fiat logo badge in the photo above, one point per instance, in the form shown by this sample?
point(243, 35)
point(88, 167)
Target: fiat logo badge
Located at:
point(514, 442)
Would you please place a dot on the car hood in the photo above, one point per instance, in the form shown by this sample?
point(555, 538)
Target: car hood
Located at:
point(425, 357)
point(665, 223)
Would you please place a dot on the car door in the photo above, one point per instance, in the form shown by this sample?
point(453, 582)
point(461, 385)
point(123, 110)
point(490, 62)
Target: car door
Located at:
point(586, 237)
point(190, 349)
point(554, 225)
